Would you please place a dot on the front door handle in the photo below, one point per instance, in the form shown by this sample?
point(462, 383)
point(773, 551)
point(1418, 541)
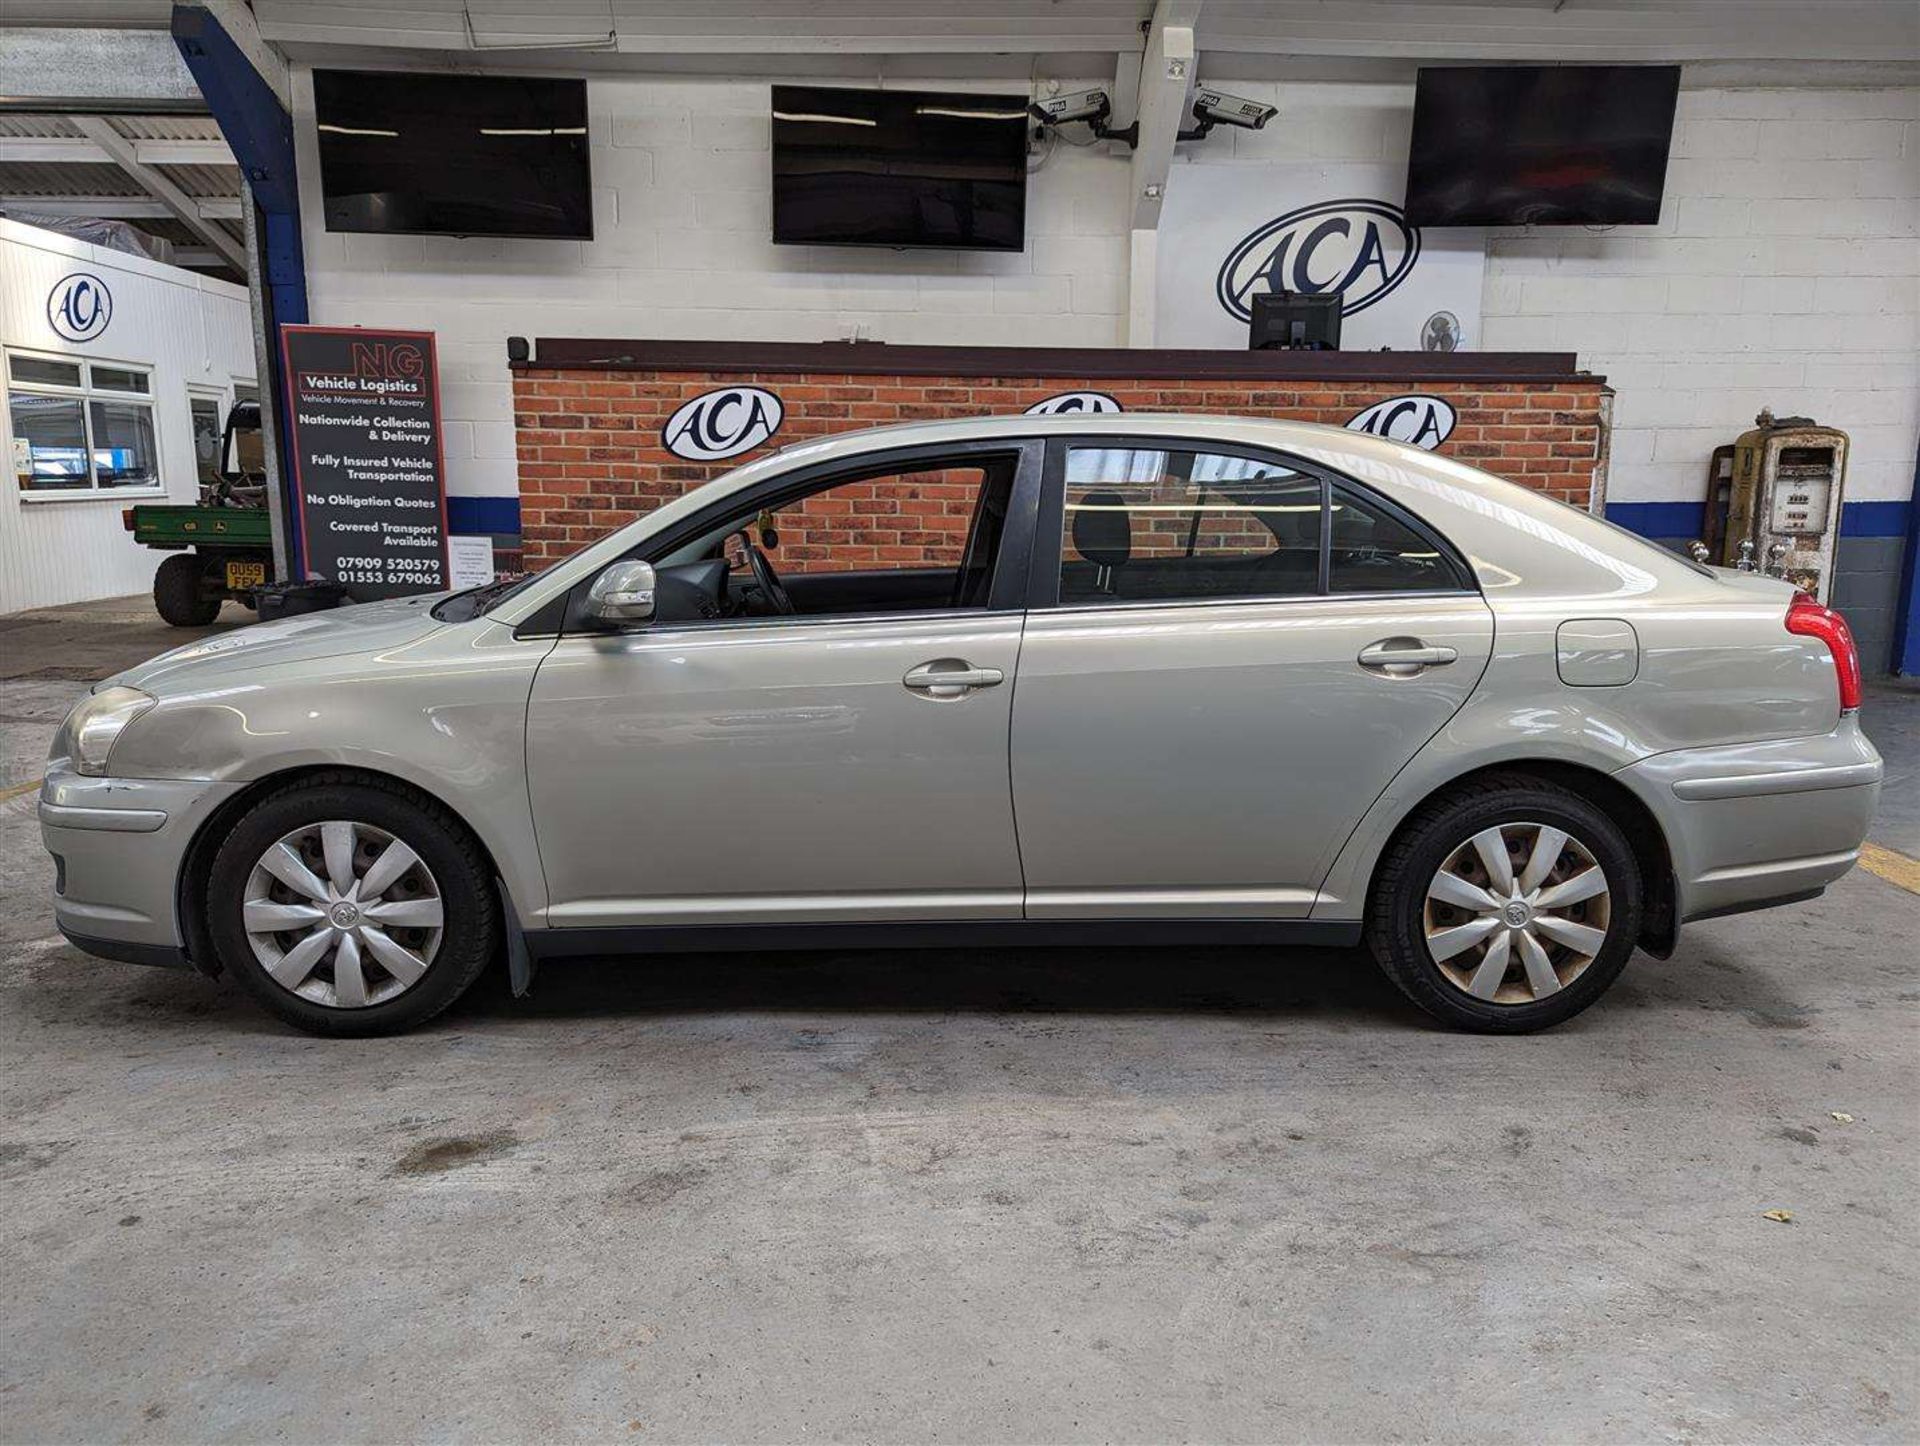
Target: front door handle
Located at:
point(1404, 657)
point(951, 678)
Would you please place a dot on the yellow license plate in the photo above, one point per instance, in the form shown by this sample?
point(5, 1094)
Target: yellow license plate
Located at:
point(246, 574)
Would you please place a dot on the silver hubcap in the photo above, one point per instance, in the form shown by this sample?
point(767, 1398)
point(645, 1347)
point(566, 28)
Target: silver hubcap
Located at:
point(1517, 913)
point(343, 914)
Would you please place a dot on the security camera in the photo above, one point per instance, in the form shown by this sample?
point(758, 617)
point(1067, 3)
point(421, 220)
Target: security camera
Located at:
point(1211, 106)
point(1079, 105)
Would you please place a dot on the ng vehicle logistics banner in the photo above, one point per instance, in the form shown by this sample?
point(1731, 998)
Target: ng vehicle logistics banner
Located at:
point(364, 418)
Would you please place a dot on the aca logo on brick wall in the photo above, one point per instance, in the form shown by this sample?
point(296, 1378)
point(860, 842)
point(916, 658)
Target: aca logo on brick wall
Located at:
point(1068, 404)
point(722, 423)
point(1360, 248)
point(79, 306)
point(1421, 420)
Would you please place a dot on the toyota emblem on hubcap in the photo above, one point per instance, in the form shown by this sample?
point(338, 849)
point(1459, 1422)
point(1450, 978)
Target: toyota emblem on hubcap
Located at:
point(1517, 915)
point(344, 916)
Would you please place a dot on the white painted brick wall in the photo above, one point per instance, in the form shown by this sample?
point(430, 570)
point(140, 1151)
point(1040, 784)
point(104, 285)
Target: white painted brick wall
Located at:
point(681, 249)
point(1784, 272)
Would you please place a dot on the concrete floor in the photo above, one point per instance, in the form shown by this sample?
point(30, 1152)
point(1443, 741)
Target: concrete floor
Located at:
point(961, 1197)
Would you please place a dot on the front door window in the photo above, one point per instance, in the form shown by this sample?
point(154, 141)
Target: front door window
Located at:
point(916, 538)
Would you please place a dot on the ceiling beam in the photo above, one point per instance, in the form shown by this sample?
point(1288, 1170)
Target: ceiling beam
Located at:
point(123, 68)
point(209, 152)
point(129, 208)
point(185, 208)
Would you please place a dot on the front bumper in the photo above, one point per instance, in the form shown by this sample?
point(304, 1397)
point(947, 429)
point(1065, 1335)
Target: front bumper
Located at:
point(118, 846)
point(1753, 824)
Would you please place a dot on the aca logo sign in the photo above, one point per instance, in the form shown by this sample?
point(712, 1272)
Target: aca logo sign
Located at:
point(1359, 248)
point(1068, 404)
point(1415, 418)
point(722, 423)
point(79, 306)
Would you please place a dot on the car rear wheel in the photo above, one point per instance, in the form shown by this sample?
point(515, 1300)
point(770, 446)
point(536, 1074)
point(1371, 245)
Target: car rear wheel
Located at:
point(1508, 906)
point(349, 908)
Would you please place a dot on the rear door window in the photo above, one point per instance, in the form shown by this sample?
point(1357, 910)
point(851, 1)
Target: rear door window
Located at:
point(1175, 524)
point(1149, 525)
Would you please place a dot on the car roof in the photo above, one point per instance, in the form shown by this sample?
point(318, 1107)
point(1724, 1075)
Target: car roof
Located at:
point(1262, 431)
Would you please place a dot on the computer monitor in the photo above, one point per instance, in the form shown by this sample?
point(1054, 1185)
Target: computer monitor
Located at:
point(1295, 321)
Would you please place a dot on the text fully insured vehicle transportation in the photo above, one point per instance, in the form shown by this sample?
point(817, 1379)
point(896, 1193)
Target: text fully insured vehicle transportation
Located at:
point(1051, 679)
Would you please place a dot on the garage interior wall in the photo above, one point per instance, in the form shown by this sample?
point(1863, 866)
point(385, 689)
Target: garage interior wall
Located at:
point(1782, 274)
point(193, 331)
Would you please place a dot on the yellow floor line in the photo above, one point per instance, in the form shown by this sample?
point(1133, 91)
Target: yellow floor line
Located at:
point(1895, 867)
point(18, 789)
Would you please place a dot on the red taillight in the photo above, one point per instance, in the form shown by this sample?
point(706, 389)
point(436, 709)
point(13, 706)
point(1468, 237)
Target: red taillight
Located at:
point(1806, 617)
point(126, 518)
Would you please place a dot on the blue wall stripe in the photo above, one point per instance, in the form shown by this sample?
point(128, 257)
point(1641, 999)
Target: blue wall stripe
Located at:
point(1658, 519)
point(1683, 519)
point(483, 514)
point(1874, 519)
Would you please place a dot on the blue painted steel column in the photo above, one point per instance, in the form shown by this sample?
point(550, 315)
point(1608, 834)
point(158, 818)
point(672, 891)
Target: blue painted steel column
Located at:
point(1906, 605)
point(259, 132)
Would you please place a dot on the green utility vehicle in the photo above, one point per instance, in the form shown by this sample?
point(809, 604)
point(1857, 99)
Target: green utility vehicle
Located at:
point(224, 546)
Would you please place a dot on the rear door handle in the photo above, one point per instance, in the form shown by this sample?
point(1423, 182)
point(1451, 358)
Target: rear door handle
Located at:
point(951, 678)
point(1403, 657)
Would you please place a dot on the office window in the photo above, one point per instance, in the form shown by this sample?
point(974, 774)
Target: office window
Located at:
point(81, 426)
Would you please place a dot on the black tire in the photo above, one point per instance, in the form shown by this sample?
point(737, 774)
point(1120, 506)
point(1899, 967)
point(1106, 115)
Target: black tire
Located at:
point(183, 591)
point(469, 934)
point(1397, 918)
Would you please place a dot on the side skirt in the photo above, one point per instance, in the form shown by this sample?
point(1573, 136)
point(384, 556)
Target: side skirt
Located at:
point(941, 934)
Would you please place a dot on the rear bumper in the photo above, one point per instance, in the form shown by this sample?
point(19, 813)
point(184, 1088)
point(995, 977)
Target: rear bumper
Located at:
point(118, 844)
point(1754, 824)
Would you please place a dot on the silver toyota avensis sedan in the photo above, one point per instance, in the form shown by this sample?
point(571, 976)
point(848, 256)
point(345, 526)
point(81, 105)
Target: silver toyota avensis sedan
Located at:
point(1111, 679)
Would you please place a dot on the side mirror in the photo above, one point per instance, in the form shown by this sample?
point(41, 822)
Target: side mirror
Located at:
point(622, 596)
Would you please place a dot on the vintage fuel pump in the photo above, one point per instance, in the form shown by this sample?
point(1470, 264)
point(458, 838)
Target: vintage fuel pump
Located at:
point(1787, 482)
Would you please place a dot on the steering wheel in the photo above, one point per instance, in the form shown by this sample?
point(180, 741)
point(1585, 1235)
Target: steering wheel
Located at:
point(764, 576)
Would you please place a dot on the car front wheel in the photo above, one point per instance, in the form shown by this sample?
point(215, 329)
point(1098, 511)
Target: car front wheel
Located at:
point(351, 908)
point(1508, 906)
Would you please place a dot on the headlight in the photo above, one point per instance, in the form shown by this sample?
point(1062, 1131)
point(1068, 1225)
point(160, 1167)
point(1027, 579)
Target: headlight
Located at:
point(88, 735)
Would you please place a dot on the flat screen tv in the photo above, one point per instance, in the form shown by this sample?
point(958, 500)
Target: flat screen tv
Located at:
point(899, 168)
point(453, 155)
point(1528, 145)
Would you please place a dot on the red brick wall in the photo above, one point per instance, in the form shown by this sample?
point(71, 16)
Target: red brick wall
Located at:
point(591, 457)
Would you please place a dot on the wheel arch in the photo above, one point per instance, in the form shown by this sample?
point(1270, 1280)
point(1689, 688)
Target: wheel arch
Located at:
point(1660, 919)
point(197, 862)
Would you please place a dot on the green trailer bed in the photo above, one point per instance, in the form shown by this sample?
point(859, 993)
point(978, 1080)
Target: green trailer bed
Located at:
point(173, 526)
point(219, 553)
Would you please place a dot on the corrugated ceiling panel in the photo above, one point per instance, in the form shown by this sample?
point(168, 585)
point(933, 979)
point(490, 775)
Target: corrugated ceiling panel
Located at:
point(65, 178)
point(36, 127)
point(169, 127)
point(202, 181)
